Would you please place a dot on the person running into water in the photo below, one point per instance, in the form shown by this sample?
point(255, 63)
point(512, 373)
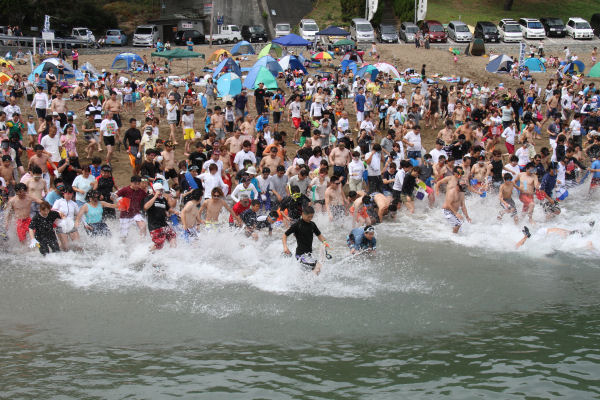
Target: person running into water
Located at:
point(93, 211)
point(506, 201)
point(362, 240)
point(563, 233)
point(157, 209)
point(528, 183)
point(303, 230)
point(41, 230)
point(455, 201)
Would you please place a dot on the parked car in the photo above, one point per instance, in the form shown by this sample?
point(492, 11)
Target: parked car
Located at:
point(282, 29)
point(181, 37)
point(115, 37)
point(254, 33)
point(579, 28)
point(532, 28)
point(83, 34)
point(387, 33)
point(510, 30)
point(145, 35)
point(227, 34)
point(308, 29)
point(361, 30)
point(436, 30)
point(595, 23)
point(407, 32)
point(487, 31)
point(459, 31)
point(554, 27)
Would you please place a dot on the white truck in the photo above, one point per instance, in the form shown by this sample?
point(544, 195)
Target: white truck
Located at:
point(227, 34)
point(83, 34)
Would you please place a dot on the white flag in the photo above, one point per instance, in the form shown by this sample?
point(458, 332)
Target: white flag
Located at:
point(421, 10)
point(46, 23)
point(372, 4)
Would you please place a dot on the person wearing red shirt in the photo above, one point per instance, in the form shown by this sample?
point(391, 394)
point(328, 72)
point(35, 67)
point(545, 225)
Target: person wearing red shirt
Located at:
point(130, 205)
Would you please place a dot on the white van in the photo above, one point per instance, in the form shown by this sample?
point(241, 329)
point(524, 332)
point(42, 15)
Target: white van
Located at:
point(308, 29)
point(361, 30)
point(145, 35)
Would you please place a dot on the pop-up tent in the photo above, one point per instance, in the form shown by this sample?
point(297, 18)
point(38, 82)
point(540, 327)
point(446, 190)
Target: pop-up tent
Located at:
point(369, 72)
point(47, 65)
point(270, 63)
point(349, 65)
point(388, 69)
point(291, 40)
point(229, 84)
point(258, 74)
point(595, 71)
point(574, 67)
point(218, 54)
point(333, 30)
point(227, 65)
point(242, 48)
point(353, 56)
point(475, 48)
point(499, 65)
point(123, 61)
point(534, 65)
point(291, 62)
point(272, 49)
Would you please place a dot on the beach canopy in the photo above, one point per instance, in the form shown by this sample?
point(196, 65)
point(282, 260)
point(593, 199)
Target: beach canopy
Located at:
point(595, 71)
point(291, 40)
point(47, 65)
point(229, 84)
point(293, 63)
point(534, 65)
point(227, 65)
point(344, 42)
point(349, 65)
point(258, 74)
point(242, 48)
point(123, 61)
point(217, 54)
point(499, 65)
point(270, 63)
point(333, 30)
point(387, 69)
point(574, 67)
point(271, 49)
point(177, 53)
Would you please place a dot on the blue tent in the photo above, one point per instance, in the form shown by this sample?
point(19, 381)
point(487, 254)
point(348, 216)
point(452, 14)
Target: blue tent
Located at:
point(229, 65)
point(291, 62)
point(242, 47)
point(534, 65)
point(123, 61)
point(270, 63)
point(47, 65)
point(291, 40)
point(368, 71)
point(257, 74)
point(574, 67)
point(500, 64)
point(333, 31)
point(229, 84)
point(349, 64)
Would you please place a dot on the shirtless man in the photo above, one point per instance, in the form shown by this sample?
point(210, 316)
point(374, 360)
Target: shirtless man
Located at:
point(235, 143)
point(466, 130)
point(447, 134)
point(20, 205)
point(479, 174)
point(169, 161)
point(455, 200)
point(360, 215)
point(218, 121)
point(340, 157)
point(440, 169)
point(528, 184)
point(59, 106)
point(506, 201)
point(190, 215)
point(272, 161)
point(335, 199)
point(213, 207)
point(40, 159)
point(37, 188)
point(383, 206)
point(418, 98)
point(7, 173)
point(114, 106)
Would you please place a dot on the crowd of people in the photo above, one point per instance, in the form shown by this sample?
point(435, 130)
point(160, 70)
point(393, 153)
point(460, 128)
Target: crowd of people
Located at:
point(532, 142)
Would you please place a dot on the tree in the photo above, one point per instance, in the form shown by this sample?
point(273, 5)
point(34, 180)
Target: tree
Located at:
point(508, 5)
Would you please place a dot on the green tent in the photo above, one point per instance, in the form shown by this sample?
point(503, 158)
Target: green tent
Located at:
point(344, 42)
point(595, 71)
point(265, 76)
point(177, 53)
point(273, 49)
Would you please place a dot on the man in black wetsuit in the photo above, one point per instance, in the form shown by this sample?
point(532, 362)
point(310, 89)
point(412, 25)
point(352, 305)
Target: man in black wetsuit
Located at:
point(304, 229)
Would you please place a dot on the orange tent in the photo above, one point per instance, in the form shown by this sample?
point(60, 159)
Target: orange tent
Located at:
point(218, 55)
point(4, 78)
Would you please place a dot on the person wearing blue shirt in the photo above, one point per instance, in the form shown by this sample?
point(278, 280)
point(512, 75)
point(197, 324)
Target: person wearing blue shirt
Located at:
point(359, 101)
point(262, 121)
point(362, 239)
point(547, 185)
point(595, 170)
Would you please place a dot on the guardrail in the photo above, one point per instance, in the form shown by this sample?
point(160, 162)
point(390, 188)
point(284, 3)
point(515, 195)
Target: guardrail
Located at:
point(27, 41)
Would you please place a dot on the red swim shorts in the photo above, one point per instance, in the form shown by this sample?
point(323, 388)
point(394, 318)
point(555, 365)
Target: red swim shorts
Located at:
point(161, 234)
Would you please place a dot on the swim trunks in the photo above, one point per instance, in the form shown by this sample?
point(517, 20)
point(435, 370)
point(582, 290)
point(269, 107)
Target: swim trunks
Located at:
point(526, 199)
point(512, 207)
point(160, 235)
point(361, 213)
point(189, 134)
point(307, 260)
point(23, 228)
point(452, 218)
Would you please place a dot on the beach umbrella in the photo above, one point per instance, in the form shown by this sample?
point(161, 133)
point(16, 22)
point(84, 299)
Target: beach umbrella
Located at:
point(322, 56)
point(344, 42)
point(271, 48)
point(229, 84)
point(368, 72)
point(227, 65)
point(270, 63)
point(242, 48)
point(258, 74)
point(293, 63)
point(387, 69)
point(217, 54)
point(4, 78)
point(123, 61)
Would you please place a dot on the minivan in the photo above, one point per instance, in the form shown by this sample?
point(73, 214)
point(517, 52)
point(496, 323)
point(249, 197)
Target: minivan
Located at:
point(361, 30)
point(510, 31)
point(532, 28)
point(145, 35)
point(487, 31)
point(459, 31)
point(554, 26)
point(308, 29)
point(254, 33)
point(435, 29)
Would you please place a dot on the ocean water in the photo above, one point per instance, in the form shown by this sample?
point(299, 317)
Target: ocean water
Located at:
point(431, 315)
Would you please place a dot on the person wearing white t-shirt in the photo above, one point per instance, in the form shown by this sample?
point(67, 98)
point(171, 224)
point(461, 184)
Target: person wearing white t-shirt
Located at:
point(343, 125)
point(40, 103)
point(523, 154)
point(513, 166)
point(367, 124)
point(509, 135)
point(295, 111)
point(51, 144)
point(373, 160)
point(412, 140)
point(110, 132)
point(82, 185)
point(243, 155)
point(438, 151)
point(575, 128)
point(356, 169)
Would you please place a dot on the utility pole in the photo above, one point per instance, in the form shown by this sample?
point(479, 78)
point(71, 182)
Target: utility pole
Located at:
point(212, 16)
point(415, 11)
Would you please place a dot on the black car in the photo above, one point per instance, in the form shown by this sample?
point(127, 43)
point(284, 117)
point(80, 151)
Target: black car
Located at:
point(387, 33)
point(554, 27)
point(487, 31)
point(254, 33)
point(181, 37)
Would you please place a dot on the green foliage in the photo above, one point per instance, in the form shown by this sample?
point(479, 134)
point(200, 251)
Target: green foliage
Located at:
point(404, 9)
point(352, 9)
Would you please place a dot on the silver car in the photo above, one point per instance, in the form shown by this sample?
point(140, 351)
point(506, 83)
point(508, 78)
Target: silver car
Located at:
point(459, 31)
point(408, 31)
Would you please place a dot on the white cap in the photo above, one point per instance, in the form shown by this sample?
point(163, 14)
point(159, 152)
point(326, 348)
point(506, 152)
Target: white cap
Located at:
point(251, 170)
point(158, 186)
point(299, 161)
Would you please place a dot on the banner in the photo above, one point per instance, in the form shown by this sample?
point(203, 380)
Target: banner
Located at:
point(522, 53)
point(46, 23)
point(372, 8)
point(422, 10)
